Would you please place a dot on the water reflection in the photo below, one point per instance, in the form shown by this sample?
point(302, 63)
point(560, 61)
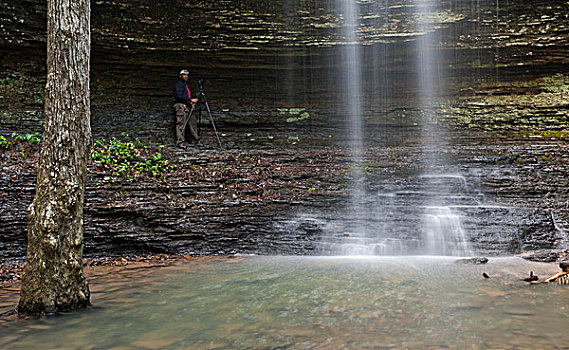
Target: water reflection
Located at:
point(317, 303)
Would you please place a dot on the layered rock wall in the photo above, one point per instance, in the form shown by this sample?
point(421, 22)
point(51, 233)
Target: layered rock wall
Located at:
point(262, 56)
point(273, 71)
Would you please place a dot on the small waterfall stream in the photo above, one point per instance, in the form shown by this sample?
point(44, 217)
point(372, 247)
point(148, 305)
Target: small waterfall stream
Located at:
point(443, 233)
point(351, 80)
point(400, 220)
point(442, 229)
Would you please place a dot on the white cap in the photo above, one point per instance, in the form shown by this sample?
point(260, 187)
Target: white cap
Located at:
point(183, 71)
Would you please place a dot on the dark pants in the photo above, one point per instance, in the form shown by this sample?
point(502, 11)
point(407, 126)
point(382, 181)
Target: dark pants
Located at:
point(182, 112)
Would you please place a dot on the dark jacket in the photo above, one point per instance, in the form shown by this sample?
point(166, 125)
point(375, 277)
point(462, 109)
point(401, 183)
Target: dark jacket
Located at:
point(182, 93)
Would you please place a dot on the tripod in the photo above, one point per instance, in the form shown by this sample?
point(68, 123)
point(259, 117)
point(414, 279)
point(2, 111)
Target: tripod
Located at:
point(202, 98)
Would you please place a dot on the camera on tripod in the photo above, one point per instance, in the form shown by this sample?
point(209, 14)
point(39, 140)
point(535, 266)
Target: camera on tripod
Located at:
point(200, 83)
point(200, 94)
point(202, 101)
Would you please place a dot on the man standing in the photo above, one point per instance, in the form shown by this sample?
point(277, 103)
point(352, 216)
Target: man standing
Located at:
point(183, 105)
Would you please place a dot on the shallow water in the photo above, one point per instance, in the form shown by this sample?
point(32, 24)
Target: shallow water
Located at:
point(307, 302)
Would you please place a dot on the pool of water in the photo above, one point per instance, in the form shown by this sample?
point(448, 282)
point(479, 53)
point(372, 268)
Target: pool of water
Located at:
point(307, 303)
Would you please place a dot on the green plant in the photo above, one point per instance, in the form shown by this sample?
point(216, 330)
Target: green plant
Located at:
point(4, 142)
point(131, 158)
point(32, 139)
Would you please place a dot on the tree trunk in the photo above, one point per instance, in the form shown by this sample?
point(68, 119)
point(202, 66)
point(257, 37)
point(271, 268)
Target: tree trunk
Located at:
point(53, 278)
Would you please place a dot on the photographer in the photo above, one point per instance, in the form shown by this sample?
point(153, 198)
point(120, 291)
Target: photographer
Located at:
point(183, 105)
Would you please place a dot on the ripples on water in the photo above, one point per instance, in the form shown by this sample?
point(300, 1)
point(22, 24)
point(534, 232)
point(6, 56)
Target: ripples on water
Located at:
point(307, 302)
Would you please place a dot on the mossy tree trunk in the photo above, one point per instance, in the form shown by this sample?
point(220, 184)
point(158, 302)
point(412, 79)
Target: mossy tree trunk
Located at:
point(53, 278)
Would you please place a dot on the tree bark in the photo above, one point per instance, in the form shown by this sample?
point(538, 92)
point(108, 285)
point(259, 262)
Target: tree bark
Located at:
point(53, 278)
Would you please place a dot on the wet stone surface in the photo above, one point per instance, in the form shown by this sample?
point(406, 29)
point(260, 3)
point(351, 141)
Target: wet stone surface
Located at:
point(509, 198)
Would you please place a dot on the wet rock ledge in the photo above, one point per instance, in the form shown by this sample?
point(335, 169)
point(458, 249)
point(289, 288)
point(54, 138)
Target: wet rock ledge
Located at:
point(214, 203)
point(511, 199)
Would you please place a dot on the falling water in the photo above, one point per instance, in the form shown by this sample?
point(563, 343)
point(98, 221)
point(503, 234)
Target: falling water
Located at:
point(442, 231)
point(378, 223)
point(429, 81)
point(351, 75)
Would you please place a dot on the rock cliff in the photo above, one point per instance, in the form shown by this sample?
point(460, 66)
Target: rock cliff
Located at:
point(273, 78)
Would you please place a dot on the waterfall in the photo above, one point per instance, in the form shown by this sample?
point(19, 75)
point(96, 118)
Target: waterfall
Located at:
point(418, 220)
point(443, 233)
point(442, 229)
point(351, 76)
point(351, 73)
